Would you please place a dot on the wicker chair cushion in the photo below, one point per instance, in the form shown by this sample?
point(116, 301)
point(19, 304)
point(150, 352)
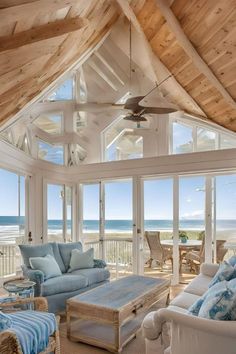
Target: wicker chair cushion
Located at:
point(33, 329)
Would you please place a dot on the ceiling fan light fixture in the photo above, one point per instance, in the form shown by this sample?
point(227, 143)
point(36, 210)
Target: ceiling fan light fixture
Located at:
point(135, 118)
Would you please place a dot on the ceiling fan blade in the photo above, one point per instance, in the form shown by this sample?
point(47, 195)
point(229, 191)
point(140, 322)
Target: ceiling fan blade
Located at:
point(158, 110)
point(156, 101)
point(98, 107)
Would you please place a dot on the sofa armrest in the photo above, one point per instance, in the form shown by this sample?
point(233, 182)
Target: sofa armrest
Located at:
point(209, 269)
point(99, 263)
point(34, 275)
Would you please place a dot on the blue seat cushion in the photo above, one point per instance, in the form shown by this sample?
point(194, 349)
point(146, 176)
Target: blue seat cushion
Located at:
point(57, 256)
point(93, 275)
point(33, 329)
point(65, 251)
point(63, 283)
point(28, 251)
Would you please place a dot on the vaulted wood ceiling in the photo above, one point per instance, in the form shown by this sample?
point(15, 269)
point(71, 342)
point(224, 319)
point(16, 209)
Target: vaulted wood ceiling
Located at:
point(194, 40)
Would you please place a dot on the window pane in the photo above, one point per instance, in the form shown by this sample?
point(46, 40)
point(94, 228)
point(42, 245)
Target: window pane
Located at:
point(50, 123)
point(51, 153)
point(182, 139)
point(12, 220)
point(206, 140)
point(55, 213)
point(227, 142)
point(63, 92)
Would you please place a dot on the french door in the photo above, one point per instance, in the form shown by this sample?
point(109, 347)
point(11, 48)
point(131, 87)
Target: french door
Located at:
point(58, 209)
point(106, 223)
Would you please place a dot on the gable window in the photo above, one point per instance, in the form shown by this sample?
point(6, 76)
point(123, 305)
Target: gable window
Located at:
point(182, 138)
point(50, 152)
point(50, 123)
point(64, 92)
point(206, 140)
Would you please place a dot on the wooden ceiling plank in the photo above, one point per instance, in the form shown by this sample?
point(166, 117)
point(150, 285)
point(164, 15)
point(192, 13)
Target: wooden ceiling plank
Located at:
point(159, 69)
point(50, 30)
point(191, 51)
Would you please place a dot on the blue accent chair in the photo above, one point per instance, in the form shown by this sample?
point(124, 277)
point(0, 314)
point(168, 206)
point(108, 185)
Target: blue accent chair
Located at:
point(58, 289)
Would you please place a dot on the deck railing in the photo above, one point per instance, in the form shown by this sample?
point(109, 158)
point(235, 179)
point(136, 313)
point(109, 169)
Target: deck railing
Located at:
point(117, 252)
point(7, 259)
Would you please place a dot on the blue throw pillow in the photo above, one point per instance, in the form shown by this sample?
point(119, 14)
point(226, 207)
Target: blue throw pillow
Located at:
point(28, 251)
point(47, 265)
point(5, 321)
point(220, 304)
point(65, 251)
point(81, 260)
point(195, 307)
point(225, 272)
point(232, 261)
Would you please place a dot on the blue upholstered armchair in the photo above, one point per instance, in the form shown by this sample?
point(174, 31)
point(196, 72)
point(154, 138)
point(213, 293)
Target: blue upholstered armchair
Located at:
point(68, 284)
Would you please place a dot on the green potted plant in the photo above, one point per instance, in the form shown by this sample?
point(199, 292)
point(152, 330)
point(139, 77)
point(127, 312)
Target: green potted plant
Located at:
point(183, 236)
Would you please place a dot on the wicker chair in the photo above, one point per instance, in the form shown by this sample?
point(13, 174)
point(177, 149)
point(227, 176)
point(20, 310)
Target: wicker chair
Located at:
point(9, 343)
point(157, 252)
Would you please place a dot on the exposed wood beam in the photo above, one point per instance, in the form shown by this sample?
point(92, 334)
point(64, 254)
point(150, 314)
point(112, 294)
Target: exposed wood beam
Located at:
point(189, 49)
point(109, 67)
point(23, 11)
point(93, 107)
point(102, 75)
point(159, 69)
point(47, 31)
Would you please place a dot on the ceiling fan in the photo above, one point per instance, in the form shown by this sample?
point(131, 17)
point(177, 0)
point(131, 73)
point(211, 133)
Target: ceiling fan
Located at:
point(138, 106)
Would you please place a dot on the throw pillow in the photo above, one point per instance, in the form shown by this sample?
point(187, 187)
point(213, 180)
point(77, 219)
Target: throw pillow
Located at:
point(195, 307)
point(225, 272)
point(5, 321)
point(47, 265)
point(220, 304)
point(81, 260)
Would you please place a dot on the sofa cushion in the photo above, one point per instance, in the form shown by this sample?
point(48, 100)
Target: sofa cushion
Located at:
point(81, 260)
point(93, 275)
point(64, 283)
point(199, 285)
point(184, 300)
point(47, 265)
point(57, 256)
point(65, 251)
point(28, 251)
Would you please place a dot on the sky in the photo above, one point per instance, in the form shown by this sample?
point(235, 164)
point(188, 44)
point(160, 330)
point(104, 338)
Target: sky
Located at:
point(158, 202)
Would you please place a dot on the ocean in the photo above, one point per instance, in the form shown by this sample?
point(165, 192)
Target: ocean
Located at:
point(10, 225)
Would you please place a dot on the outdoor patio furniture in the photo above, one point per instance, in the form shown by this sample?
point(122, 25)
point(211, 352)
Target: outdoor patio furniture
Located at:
point(157, 252)
point(196, 258)
point(9, 342)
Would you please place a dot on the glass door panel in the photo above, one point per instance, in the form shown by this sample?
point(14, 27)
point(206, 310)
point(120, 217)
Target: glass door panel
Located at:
point(91, 217)
point(158, 226)
point(191, 224)
point(55, 217)
point(118, 227)
point(68, 212)
point(225, 221)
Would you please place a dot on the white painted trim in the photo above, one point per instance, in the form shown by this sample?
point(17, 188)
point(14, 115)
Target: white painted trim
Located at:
point(208, 219)
point(175, 278)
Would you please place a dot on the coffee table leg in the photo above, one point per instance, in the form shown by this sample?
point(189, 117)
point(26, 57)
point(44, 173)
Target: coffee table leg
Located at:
point(117, 337)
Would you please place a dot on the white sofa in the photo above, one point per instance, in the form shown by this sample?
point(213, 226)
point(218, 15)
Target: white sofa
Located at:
point(173, 331)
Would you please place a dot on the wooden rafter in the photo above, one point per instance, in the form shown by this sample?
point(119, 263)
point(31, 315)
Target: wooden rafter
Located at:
point(47, 31)
point(160, 70)
point(96, 68)
point(23, 11)
point(185, 43)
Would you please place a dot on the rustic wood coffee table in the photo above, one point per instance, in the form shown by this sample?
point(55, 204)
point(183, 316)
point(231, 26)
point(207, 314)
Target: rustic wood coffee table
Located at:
point(110, 315)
